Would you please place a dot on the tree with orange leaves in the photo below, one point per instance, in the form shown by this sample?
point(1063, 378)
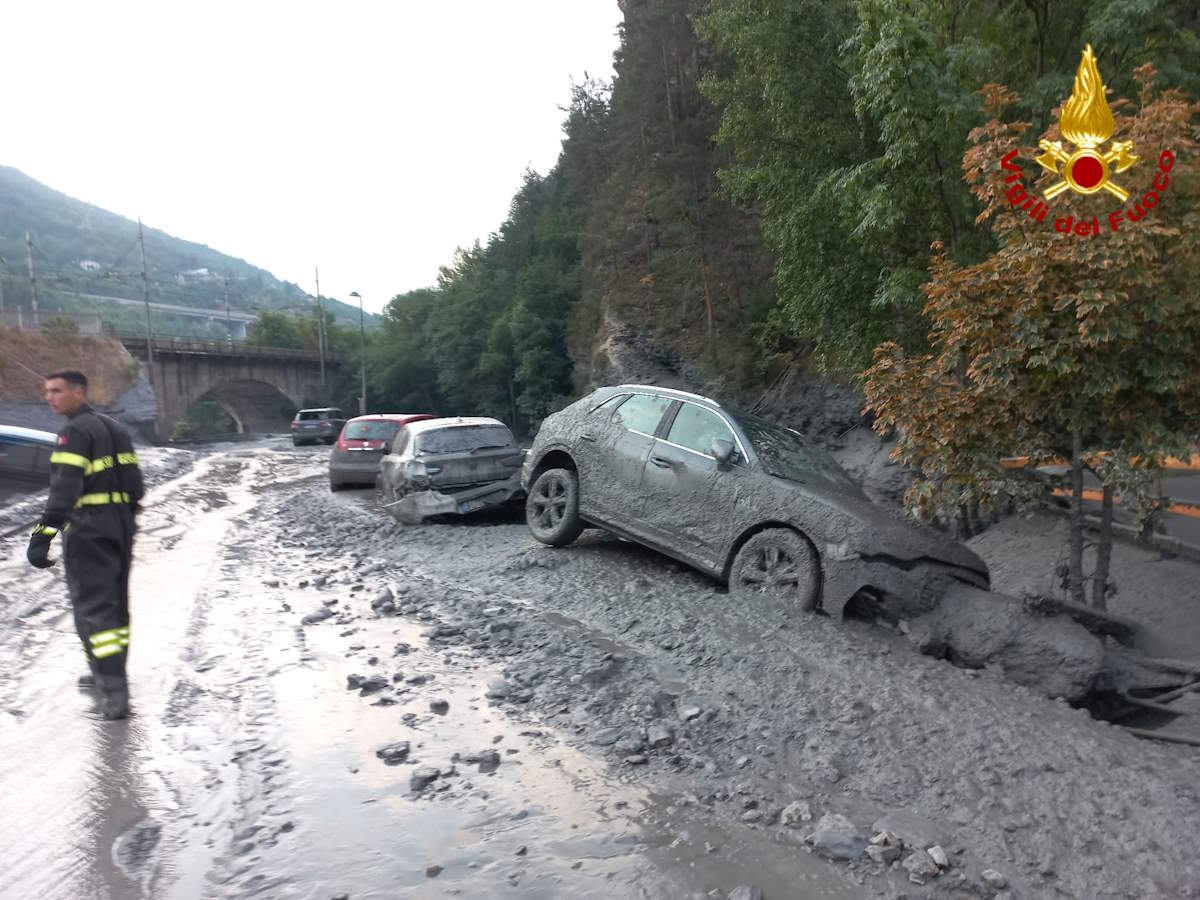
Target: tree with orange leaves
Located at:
point(1061, 343)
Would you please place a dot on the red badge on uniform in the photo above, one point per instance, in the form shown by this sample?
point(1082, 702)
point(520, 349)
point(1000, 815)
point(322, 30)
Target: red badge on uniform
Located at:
point(62, 440)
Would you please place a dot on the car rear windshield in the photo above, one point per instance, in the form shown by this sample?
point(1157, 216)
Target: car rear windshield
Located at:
point(787, 454)
point(307, 415)
point(371, 431)
point(464, 438)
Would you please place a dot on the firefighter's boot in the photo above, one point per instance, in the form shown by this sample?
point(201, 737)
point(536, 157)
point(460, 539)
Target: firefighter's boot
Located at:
point(114, 697)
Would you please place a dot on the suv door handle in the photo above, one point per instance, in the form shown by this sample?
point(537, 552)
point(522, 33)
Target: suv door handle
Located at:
point(661, 462)
point(586, 436)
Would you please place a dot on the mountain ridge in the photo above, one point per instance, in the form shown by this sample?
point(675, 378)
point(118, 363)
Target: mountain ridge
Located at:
point(83, 252)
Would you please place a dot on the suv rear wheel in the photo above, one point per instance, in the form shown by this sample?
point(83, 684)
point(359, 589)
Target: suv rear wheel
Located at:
point(552, 507)
point(777, 564)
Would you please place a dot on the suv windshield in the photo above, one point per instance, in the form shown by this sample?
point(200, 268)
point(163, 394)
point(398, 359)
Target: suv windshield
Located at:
point(786, 454)
point(371, 431)
point(464, 438)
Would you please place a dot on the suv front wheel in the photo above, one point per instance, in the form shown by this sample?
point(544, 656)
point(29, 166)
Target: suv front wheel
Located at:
point(552, 507)
point(779, 565)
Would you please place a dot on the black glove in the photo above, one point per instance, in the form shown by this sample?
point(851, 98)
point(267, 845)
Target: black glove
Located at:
point(38, 553)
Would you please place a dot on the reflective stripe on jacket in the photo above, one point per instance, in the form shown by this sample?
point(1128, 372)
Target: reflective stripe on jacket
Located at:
point(93, 465)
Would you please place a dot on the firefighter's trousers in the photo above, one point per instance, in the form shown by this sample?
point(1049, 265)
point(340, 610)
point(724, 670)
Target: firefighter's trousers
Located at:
point(97, 551)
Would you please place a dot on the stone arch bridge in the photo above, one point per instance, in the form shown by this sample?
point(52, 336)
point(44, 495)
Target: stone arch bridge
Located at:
point(260, 387)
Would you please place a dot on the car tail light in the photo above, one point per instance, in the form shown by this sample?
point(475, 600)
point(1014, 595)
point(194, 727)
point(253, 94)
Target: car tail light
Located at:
point(341, 442)
point(295, 425)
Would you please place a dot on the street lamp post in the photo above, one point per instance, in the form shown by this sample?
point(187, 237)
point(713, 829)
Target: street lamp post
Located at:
point(362, 344)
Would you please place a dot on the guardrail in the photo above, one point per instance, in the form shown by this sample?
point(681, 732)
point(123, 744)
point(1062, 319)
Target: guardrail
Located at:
point(137, 343)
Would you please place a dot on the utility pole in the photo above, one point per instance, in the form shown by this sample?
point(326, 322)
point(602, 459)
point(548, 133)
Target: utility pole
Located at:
point(1, 286)
point(320, 324)
point(362, 338)
point(32, 276)
point(228, 321)
point(146, 295)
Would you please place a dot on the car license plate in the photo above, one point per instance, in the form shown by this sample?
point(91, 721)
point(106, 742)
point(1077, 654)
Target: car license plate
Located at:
point(470, 506)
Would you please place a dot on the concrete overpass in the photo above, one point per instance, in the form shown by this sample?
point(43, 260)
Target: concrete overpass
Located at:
point(260, 387)
point(236, 322)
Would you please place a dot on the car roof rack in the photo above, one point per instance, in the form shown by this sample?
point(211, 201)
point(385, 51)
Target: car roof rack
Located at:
point(672, 392)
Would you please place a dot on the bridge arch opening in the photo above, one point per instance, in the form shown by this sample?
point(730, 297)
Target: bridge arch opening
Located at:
point(239, 407)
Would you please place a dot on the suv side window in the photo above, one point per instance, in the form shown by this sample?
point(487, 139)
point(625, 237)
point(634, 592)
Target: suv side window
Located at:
point(642, 413)
point(695, 428)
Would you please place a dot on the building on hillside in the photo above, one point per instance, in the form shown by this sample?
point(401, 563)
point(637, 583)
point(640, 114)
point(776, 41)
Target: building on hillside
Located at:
point(89, 265)
point(192, 276)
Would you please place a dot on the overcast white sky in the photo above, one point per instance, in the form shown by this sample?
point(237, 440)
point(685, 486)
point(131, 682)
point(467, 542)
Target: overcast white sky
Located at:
point(371, 138)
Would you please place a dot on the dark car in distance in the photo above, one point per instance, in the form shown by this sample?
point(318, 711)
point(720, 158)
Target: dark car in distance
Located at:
point(317, 426)
point(751, 503)
point(361, 446)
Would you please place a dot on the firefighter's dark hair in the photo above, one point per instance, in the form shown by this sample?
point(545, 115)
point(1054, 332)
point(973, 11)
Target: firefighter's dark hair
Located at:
point(70, 376)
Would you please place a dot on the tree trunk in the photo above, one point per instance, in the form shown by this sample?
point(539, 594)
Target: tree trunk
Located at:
point(1076, 556)
point(708, 306)
point(1103, 552)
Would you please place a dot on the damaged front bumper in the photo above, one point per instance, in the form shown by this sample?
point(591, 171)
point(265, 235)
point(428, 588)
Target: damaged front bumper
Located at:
point(909, 586)
point(413, 508)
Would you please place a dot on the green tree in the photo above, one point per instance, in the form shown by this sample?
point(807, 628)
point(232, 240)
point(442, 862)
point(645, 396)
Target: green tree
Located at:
point(1055, 346)
point(276, 329)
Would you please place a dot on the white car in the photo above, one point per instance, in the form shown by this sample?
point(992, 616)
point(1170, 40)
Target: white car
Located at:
point(455, 466)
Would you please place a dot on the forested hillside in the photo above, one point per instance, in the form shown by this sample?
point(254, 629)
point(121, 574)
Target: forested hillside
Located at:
point(754, 195)
point(83, 254)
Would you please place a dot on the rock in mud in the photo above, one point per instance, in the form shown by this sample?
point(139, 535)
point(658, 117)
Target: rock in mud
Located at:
point(914, 830)
point(690, 712)
point(439, 706)
point(795, 813)
point(1050, 654)
point(838, 838)
point(606, 737)
point(883, 853)
point(384, 597)
point(393, 754)
point(659, 736)
point(401, 649)
point(319, 615)
point(745, 892)
point(920, 866)
point(488, 760)
point(993, 879)
point(498, 688)
point(422, 777)
point(373, 684)
point(938, 855)
point(433, 871)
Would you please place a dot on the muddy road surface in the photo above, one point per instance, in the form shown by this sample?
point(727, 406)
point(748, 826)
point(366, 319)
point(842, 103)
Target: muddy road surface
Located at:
point(328, 703)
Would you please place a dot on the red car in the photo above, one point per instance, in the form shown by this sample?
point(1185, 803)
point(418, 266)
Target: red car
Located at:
point(362, 445)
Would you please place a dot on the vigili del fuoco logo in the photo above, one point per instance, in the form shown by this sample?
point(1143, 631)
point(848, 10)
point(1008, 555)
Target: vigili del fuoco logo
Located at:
point(1087, 123)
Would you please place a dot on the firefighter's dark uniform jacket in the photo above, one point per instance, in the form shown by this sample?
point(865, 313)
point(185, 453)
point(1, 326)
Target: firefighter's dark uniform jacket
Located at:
point(95, 489)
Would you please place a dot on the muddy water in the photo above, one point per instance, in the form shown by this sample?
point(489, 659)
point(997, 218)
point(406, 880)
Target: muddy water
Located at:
point(247, 768)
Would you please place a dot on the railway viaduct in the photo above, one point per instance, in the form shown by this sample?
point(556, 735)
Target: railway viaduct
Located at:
point(260, 387)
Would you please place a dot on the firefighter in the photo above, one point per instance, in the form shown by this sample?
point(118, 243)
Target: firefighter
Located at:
point(95, 489)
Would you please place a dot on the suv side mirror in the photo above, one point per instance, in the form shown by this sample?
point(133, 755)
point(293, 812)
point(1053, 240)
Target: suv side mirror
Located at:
point(722, 450)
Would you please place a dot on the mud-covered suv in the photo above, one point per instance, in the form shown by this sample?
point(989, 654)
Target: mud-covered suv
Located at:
point(747, 501)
